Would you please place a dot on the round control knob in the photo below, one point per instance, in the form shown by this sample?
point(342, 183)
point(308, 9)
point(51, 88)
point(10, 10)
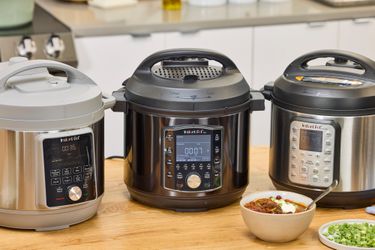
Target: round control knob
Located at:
point(74, 193)
point(26, 47)
point(54, 46)
point(194, 181)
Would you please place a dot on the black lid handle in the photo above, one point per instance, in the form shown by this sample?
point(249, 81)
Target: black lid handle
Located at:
point(185, 53)
point(299, 66)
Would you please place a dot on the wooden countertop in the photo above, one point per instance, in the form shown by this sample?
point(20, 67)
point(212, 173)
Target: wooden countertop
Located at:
point(122, 223)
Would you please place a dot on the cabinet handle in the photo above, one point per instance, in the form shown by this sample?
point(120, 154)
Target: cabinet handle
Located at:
point(140, 35)
point(362, 20)
point(316, 24)
point(189, 32)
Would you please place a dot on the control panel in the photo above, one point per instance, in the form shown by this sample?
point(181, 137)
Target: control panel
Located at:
point(311, 153)
point(69, 168)
point(192, 158)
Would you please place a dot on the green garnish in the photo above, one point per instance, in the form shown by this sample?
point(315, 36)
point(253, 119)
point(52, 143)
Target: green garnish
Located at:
point(356, 234)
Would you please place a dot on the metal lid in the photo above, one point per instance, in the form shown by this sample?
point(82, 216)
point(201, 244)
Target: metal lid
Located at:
point(186, 80)
point(30, 95)
point(345, 83)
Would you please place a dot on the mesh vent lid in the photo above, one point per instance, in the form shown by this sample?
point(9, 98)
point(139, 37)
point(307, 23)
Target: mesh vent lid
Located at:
point(180, 73)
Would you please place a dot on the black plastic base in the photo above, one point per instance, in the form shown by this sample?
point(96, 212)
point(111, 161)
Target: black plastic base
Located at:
point(186, 204)
point(346, 200)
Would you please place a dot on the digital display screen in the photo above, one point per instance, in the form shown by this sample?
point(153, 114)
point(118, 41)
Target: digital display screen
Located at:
point(190, 148)
point(311, 140)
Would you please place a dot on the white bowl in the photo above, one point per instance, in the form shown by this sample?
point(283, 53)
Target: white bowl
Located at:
point(277, 227)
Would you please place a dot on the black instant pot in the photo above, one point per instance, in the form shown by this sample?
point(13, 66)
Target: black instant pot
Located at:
point(186, 122)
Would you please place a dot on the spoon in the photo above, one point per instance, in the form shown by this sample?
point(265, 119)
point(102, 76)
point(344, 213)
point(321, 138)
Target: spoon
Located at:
point(327, 191)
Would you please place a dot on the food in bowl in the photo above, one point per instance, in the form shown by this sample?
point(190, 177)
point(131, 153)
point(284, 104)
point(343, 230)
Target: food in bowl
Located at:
point(271, 227)
point(275, 205)
point(352, 234)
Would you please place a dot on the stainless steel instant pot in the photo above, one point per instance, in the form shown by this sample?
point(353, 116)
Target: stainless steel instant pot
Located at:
point(52, 145)
point(323, 123)
point(186, 128)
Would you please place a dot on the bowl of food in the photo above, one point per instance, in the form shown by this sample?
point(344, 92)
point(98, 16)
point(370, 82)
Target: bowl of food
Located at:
point(277, 216)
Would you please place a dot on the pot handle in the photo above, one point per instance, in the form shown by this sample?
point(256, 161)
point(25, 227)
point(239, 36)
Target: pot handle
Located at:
point(257, 101)
point(299, 66)
point(73, 74)
point(108, 101)
point(121, 104)
point(150, 61)
point(267, 91)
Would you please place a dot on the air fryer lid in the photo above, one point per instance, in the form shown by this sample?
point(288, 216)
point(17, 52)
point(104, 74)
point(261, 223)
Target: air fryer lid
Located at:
point(30, 97)
point(184, 80)
point(346, 83)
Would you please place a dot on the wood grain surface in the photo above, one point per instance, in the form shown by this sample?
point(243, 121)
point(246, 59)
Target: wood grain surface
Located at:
point(124, 224)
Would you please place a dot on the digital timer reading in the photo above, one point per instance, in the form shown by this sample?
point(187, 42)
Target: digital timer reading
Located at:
point(190, 148)
point(68, 148)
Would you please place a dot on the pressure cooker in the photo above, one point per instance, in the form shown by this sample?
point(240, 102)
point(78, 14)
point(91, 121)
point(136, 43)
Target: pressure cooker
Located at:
point(186, 123)
point(322, 127)
point(52, 145)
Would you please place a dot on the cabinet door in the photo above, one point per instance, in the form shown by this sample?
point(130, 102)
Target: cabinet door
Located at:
point(109, 61)
point(274, 48)
point(358, 35)
point(236, 43)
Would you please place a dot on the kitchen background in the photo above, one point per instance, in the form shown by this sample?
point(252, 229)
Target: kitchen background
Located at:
point(261, 37)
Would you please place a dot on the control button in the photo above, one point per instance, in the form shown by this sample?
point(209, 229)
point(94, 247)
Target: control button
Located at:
point(169, 174)
point(67, 180)
point(169, 162)
point(208, 166)
point(294, 138)
point(294, 129)
point(74, 193)
point(178, 166)
point(304, 169)
point(326, 169)
point(327, 161)
point(207, 175)
point(309, 162)
point(193, 166)
point(217, 149)
point(326, 179)
point(86, 168)
point(55, 181)
point(328, 152)
point(317, 164)
point(185, 166)
point(315, 171)
point(169, 151)
point(59, 190)
point(293, 174)
point(315, 178)
point(294, 165)
point(169, 137)
point(207, 185)
point(200, 166)
point(55, 172)
point(294, 157)
point(328, 142)
point(304, 176)
point(317, 156)
point(87, 176)
point(217, 160)
point(217, 137)
point(328, 134)
point(66, 171)
point(179, 185)
point(77, 170)
point(77, 178)
point(303, 161)
point(193, 181)
point(294, 146)
point(179, 176)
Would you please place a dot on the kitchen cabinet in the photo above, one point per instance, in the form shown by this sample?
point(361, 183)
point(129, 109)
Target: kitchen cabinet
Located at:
point(273, 49)
point(358, 35)
point(236, 43)
point(109, 61)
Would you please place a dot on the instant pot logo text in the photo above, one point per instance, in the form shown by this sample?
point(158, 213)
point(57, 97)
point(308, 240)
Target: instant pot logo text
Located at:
point(69, 139)
point(312, 126)
point(193, 131)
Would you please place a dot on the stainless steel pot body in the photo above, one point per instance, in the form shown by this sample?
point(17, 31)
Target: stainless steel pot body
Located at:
point(144, 159)
point(23, 187)
point(353, 155)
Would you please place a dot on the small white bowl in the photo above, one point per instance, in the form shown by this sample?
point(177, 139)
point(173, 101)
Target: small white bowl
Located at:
point(277, 227)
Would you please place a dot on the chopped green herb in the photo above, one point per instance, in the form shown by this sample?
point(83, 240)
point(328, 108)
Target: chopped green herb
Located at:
point(356, 234)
